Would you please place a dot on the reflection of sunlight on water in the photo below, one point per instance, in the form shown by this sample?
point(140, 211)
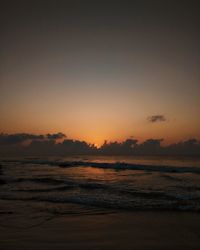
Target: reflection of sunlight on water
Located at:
point(148, 160)
point(90, 173)
point(106, 175)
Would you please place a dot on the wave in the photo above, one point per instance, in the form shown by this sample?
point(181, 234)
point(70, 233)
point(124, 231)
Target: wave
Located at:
point(46, 180)
point(38, 190)
point(59, 185)
point(114, 166)
point(115, 203)
point(55, 185)
point(67, 186)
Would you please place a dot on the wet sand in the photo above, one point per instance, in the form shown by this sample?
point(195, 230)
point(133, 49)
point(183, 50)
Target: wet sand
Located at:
point(131, 230)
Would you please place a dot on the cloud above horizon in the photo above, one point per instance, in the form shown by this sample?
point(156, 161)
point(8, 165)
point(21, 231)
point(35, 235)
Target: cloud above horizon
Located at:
point(156, 118)
point(19, 138)
point(48, 144)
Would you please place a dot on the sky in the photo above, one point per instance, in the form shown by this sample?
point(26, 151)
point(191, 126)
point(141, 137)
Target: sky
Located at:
point(101, 70)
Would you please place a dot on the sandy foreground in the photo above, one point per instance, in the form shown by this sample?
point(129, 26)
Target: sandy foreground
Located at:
point(132, 230)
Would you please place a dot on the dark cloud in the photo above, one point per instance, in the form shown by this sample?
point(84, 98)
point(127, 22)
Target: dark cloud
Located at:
point(150, 146)
point(56, 136)
point(15, 139)
point(12, 139)
point(123, 148)
point(39, 145)
point(156, 118)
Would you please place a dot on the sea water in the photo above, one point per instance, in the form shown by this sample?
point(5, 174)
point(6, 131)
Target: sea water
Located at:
point(37, 188)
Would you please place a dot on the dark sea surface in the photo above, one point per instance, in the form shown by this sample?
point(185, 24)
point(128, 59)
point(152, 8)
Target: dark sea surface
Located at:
point(38, 188)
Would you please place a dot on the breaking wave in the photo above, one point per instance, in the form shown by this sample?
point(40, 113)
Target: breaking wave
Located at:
point(115, 165)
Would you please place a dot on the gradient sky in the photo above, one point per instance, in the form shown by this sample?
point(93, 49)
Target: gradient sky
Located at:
point(97, 70)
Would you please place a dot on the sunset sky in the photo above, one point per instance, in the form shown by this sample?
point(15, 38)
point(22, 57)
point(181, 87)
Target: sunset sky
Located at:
point(98, 70)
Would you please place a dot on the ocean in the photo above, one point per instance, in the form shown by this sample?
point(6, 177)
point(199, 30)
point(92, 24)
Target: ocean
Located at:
point(38, 189)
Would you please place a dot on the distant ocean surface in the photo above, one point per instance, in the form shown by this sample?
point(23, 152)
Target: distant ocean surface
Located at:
point(88, 184)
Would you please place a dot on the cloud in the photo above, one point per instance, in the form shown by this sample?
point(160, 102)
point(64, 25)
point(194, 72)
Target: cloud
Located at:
point(19, 138)
point(156, 118)
point(121, 148)
point(56, 136)
point(48, 144)
point(13, 139)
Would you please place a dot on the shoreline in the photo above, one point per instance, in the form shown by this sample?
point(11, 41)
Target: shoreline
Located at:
point(121, 230)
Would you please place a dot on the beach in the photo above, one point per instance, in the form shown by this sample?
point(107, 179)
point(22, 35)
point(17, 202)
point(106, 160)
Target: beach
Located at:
point(99, 125)
point(129, 230)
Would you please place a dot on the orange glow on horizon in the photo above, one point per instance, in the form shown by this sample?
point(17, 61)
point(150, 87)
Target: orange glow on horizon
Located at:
point(170, 132)
point(101, 74)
